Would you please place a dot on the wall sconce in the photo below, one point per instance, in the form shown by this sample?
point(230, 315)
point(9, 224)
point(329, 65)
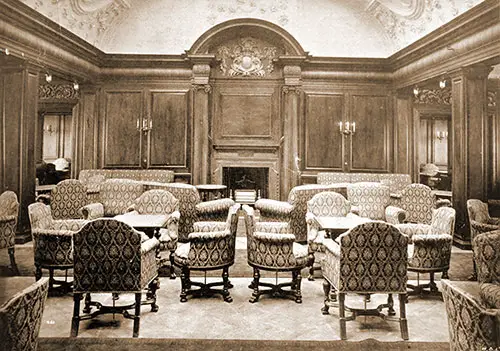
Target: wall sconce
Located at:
point(416, 91)
point(347, 128)
point(49, 129)
point(76, 86)
point(48, 77)
point(147, 125)
point(442, 83)
point(441, 135)
point(7, 51)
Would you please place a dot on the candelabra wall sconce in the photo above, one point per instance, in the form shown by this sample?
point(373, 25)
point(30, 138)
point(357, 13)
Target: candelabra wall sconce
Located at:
point(147, 125)
point(347, 128)
point(441, 135)
point(48, 129)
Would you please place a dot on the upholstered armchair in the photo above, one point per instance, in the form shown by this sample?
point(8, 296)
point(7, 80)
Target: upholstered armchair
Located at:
point(294, 210)
point(372, 200)
point(326, 203)
point(274, 248)
point(418, 200)
point(110, 257)
point(52, 242)
point(67, 199)
point(159, 201)
point(480, 222)
point(9, 210)
point(116, 196)
point(430, 247)
point(192, 209)
point(210, 247)
point(21, 317)
point(371, 258)
point(473, 308)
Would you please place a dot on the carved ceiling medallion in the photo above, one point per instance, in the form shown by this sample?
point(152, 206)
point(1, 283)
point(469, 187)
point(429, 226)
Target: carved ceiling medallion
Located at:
point(246, 59)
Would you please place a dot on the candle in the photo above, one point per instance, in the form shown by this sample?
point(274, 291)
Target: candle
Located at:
point(340, 127)
point(353, 127)
point(347, 126)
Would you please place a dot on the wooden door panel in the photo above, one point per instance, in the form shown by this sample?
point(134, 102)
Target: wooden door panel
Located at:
point(169, 137)
point(323, 142)
point(370, 144)
point(122, 139)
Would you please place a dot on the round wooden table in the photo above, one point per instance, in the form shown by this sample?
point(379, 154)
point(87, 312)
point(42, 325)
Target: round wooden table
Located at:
point(211, 191)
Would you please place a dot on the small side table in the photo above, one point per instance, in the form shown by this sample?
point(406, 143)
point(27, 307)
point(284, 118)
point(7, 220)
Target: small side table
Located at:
point(211, 191)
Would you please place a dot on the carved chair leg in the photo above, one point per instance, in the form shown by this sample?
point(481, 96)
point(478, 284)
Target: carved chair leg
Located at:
point(444, 275)
point(432, 283)
point(226, 287)
point(184, 284)
point(312, 258)
point(390, 309)
point(343, 331)
point(172, 268)
point(255, 285)
point(326, 291)
point(403, 323)
point(137, 315)
point(153, 286)
point(51, 279)
point(88, 300)
point(13, 264)
point(38, 273)
point(252, 284)
point(75, 321)
point(297, 279)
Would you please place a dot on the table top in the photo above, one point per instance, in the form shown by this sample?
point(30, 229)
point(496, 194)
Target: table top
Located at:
point(210, 187)
point(143, 220)
point(340, 223)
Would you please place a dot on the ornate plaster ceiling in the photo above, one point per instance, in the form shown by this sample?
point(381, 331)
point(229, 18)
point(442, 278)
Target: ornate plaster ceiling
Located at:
point(339, 28)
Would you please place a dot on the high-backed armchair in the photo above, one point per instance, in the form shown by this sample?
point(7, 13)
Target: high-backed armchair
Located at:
point(274, 248)
point(211, 246)
point(473, 308)
point(110, 257)
point(67, 199)
point(21, 317)
point(418, 200)
point(294, 210)
point(372, 200)
point(326, 203)
point(192, 209)
point(159, 201)
point(52, 242)
point(430, 246)
point(371, 258)
point(116, 196)
point(480, 222)
point(9, 210)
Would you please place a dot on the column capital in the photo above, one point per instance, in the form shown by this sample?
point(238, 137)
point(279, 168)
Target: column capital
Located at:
point(292, 89)
point(206, 88)
point(292, 74)
point(480, 71)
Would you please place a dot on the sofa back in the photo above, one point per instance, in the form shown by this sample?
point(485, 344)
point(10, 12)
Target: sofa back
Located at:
point(144, 175)
point(395, 181)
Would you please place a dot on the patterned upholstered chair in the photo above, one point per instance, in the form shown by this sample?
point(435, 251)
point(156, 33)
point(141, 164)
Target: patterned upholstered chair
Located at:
point(294, 210)
point(110, 257)
point(272, 247)
point(21, 317)
point(52, 242)
point(67, 199)
point(371, 258)
point(116, 196)
point(192, 209)
point(480, 222)
point(9, 210)
point(418, 201)
point(372, 200)
point(159, 201)
point(211, 246)
point(473, 308)
point(430, 247)
point(326, 203)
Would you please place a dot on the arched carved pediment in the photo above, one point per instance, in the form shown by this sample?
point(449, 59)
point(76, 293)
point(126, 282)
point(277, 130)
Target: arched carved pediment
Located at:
point(258, 30)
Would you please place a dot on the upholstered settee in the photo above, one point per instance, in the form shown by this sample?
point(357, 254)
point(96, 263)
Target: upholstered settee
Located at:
point(395, 181)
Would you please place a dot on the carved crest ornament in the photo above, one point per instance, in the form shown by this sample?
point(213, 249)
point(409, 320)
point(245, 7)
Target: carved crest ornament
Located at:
point(246, 59)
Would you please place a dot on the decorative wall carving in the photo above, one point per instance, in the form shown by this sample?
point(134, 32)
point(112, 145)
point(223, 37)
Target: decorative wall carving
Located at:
point(246, 58)
point(248, 8)
point(206, 88)
point(492, 98)
point(62, 92)
point(434, 96)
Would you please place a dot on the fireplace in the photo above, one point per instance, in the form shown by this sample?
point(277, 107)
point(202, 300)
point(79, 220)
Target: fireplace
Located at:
point(246, 182)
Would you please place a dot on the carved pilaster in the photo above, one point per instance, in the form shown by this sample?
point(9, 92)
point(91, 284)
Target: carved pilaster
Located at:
point(404, 134)
point(206, 88)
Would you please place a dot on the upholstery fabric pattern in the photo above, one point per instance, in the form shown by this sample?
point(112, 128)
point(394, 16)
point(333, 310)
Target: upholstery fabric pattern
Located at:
point(471, 327)
point(9, 210)
point(109, 257)
point(395, 181)
point(21, 317)
point(117, 195)
point(418, 201)
point(67, 199)
point(371, 258)
point(486, 250)
point(490, 295)
point(147, 175)
point(370, 199)
point(479, 218)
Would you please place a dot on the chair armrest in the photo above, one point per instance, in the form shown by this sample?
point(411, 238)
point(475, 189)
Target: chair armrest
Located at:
point(273, 208)
point(52, 233)
point(355, 210)
point(93, 211)
point(394, 215)
point(431, 239)
point(174, 217)
point(148, 245)
point(411, 229)
point(494, 221)
point(310, 219)
point(208, 236)
point(131, 208)
point(273, 227)
point(443, 203)
point(209, 226)
point(68, 224)
point(483, 227)
point(8, 218)
point(332, 247)
point(273, 237)
point(214, 206)
point(490, 294)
